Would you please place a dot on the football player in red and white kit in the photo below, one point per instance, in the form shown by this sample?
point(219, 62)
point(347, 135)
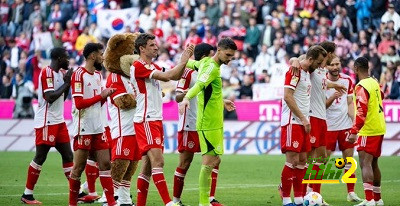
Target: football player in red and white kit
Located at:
point(188, 139)
point(125, 152)
point(88, 129)
point(295, 125)
point(339, 118)
point(145, 76)
point(50, 127)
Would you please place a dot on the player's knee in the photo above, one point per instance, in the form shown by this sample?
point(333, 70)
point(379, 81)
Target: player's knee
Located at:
point(78, 169)
point(68, 157)
point(185, 164)
point(40, 159)
point(217, 162)
point(104, 165)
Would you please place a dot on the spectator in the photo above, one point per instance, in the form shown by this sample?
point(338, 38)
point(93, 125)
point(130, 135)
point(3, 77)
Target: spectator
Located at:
point(95, 31)
point(343, 46)
point(80, 18)
point(385, 44)
point(378, 9)
point(56, 35)
point(246, 90)
point(22, 93)
point(213, 12)
point(391, 15)
point(210, 38)
point(5, 87)
point(15, 52)
point(221, 26)
point(146, 18)
point(33, 66)
point(4, 17)
point(35, 15)
point(26, 12)
point(391, 89)
point(375, 60)
point(55, 16)
point(363, 13)
point(83, 39)
point(390, 56)
point(67, 10)
point(276, 54)
point(69, 38)
point(199, 13)
point(15, 25)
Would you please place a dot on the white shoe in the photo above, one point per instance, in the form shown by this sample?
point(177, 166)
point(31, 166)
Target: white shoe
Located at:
point(366, 203)
point(352, 197)
point(102, 199)
point(379, 203)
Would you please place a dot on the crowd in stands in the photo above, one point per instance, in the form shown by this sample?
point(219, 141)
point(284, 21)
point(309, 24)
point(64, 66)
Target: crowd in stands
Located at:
point(267, 32)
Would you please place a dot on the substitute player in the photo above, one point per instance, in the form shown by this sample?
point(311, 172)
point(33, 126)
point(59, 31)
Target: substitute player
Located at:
point(295, 124)
point(188, 139)
point(145, 76)
point(50, 127)
point(370, 127)
point(88, 128)
point(339, 118)
point(209, 124)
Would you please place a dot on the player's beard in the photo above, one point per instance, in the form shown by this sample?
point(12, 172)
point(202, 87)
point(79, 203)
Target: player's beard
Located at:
point(98, 66)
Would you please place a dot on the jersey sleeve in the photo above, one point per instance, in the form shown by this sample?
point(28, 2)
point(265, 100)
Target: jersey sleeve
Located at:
point(77, 84)
point(115, 81)
point(205, 77)
point(362, 97)
point(192, 64)
point(184, 82)
point(350, 89)
point(47, 80)
point(142, 72)
point(291, 80)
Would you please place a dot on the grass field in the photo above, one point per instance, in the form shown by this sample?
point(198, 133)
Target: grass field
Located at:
point(244, 180)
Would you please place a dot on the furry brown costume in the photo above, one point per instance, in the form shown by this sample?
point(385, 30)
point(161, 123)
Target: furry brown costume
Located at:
point(118, 58)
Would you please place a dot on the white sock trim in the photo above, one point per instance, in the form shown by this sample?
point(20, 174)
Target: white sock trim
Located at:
point(376, 189)
point(28, 191)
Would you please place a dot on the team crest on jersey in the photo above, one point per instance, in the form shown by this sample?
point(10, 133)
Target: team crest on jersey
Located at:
point(294, 80)
point(204, 77)
point(190, 144)
point(51, 138)
point(312, 139)
point(87, 142)
point(126, 151)
point(49, 82)
point(158, 140)
point(295, 144)
point(78, 87)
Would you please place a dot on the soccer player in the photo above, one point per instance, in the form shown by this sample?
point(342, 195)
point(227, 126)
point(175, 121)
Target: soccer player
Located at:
point(188, 139)
point(145, 76)
point(339, 118)
point(50, 127)
point(125, 151)
point(88, 128)
point(209, 124)
point(295, 124)
point(370, 127)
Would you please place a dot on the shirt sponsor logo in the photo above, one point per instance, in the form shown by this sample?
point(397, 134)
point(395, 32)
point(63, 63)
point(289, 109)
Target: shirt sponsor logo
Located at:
point(294, 81)
point(49, 82)
point(78, 87)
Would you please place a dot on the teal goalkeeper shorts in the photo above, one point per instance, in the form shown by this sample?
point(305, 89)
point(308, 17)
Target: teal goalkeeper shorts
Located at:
point(211, 140)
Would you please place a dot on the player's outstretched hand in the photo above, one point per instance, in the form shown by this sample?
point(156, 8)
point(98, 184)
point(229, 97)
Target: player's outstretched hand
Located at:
point(67, 76)
point(229, 105)
point(187, 53)
point(352, 138)
point(340, 88)
point(306, 124)
point(107, 92)
point(184, 104)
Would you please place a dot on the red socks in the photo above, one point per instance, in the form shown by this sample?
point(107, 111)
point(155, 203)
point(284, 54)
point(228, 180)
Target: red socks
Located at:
point(92, 172)
point(74, 186)
point(179, 179)
point(67, 167)
point(350, 186)
point(142, 189)
point(161, 184)
point(299, 173)
point(108, 188)
point(33, 175)
point(377, 192)
point(287, 179)
point(214, 176)
point(369, 195)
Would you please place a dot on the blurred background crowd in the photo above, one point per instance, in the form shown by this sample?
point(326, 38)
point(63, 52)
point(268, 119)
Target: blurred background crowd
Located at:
point(267, 32)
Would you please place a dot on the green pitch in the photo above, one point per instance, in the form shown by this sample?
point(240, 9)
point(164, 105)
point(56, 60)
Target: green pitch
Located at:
point(243, 180)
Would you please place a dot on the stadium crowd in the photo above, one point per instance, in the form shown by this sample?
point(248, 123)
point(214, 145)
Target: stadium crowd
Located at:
point(268, 33)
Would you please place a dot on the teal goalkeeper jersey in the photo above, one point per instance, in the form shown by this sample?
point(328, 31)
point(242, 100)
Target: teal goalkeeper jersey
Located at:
point(208, 89)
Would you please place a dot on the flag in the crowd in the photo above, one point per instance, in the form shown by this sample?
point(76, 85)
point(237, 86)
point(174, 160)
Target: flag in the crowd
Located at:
point(115, 21)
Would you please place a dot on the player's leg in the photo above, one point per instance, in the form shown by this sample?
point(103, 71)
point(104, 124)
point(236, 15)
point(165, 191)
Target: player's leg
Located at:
point(119, 163)
point(143, 181)
point(124, 192)
point(308, 187)
point(157, 173)
point(214, 178)
point(351, 195)
point(377, 182)
point(299, 173)
point(320, 159)
point(367, 174)
point(67, 157)
point(288, 172)
point(33, 173)
point(80, 157)
point(185, 159)
point(209, 161)
point(103, 159)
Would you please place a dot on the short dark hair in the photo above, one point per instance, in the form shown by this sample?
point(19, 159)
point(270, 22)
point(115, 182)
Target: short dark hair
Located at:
point(315, 51)
point(201, 50)
point(227, 43)
point(362, 64)
point(90, 48)
point(142, 39)
point(57, 52)
point(329, 46)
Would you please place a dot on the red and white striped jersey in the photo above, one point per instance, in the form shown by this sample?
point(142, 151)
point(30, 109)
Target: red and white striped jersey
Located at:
point(336, 114)
point(87, 85)
point(149, 95)
point(121, 119)
point(301, 85)
point(49, 114)
point(187, 121)
point(318, 89)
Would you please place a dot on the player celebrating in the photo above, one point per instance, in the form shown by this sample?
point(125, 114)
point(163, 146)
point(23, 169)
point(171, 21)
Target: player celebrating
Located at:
point(295, 141)
point(88, 129)
point(370, 126)
point(209, 124)
point(145, 76)
point(339, 118)
point(125, 152)
point(50, 127)
point(188, 139)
